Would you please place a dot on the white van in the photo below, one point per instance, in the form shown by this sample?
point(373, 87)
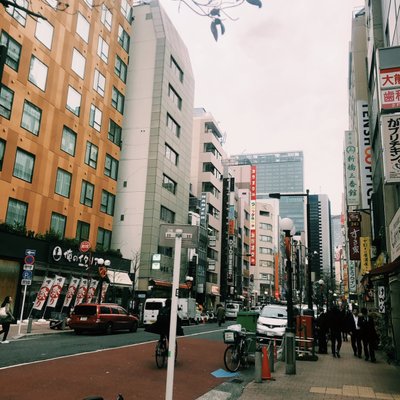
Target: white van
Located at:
point(151, 308)
point(231, 310)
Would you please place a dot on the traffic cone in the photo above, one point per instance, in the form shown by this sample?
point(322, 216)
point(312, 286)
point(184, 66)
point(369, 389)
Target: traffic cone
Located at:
point(265, 371)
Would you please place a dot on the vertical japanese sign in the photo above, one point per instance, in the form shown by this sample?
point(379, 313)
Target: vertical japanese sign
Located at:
point(391, 147)
point(354, 233)
point(91, 290)
point(230, 260)
point(352, 277)
point(345, 280)
point(73, 286)
point(43, 293)
point(253, 198)
point(389, 80)
point(55, 291)
point(382, 299)
point(82, 290)
point(365, 154)
point(351, 169)
point(203, 209)
point(365, 254)
point(394, 236)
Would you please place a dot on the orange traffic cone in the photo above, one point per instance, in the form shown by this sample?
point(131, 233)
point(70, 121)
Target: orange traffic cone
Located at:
point(265, 371)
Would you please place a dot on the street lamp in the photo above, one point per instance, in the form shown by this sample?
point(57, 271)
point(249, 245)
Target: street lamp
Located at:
point(308, 280)
point(286, 226)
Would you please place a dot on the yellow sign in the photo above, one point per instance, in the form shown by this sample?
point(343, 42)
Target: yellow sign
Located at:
point(365, 254)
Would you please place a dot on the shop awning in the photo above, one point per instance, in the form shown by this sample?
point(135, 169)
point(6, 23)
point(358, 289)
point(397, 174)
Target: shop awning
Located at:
point(119, 278)
point(386, 268)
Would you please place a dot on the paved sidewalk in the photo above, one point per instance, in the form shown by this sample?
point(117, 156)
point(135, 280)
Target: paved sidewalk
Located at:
point(39, 327)
point(347, 377)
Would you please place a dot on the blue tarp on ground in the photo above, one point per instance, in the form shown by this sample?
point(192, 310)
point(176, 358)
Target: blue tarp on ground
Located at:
point(221, 373)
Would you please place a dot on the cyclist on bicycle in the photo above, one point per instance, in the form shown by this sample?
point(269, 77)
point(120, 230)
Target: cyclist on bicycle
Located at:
point(163, 321)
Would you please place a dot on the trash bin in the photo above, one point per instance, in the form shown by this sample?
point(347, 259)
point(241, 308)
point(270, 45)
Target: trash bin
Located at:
point(248, 320)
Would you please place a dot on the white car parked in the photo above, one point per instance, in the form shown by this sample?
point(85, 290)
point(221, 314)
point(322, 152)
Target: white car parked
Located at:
point(272, 321)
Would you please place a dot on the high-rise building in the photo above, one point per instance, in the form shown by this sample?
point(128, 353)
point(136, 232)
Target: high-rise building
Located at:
point(154, 170)
point(279, 173)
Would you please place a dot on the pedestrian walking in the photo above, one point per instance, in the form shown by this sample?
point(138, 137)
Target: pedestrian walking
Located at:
point(6, 317)
point(368, 335)
point(335, 322)
point(346, 316)
point(220, 314)
point(322, 331)
point(355, 333)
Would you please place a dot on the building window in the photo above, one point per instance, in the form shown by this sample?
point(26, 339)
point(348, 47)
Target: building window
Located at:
point(6, 101)
point(123, 38)
point(89, 3)
point(210, 188)
point(91, 155)
point(2, 151)
point(265, 238)
point(82, 231)
point(103, 49)
point(24, 165)
point(57, 224)
point(265, 250)
point(13, 50)
point(31, 117)
point(38, 73)
point(99, 82)
point(44, 32)
point(82, 27)
point(106, 17)
point(103, 241)
point(114, 132)
point(111, 167)
point(18, 14)
point(74, 101)
point(176, 68)
point(120, 68)
point(78, 63)
point(173, 126)
point(87, 193)
point(173, 95)
point(63, 183)
point(117, 100)
point(126, 10)
point(266, 227)
point(16, 212)
point(68, 141)
point(107, 202)
point(171, 155)
point(167, 215)
point(169, 184)
point(95, 117)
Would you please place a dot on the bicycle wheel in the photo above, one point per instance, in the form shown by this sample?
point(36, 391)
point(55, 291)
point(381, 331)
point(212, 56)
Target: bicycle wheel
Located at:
point(161, 353)
point(232, 358)
point(245, 353)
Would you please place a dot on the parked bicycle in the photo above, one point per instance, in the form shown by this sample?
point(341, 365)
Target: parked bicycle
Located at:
point(237, 352)
point(162, 352)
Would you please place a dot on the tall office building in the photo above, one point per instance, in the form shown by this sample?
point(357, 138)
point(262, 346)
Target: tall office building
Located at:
point(154, 170)
point(279, 173)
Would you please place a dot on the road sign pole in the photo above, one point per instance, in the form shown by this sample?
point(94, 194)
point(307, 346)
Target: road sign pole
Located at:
point(22, 311)
point(174, 313)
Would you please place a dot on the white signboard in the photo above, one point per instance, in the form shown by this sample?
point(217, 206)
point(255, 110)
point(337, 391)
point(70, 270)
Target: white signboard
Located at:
point(389, 88)
point(394, 236)
point(351, 169)
point(381, 299)
point(391, 147)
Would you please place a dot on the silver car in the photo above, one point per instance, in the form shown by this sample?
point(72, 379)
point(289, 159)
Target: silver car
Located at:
point(272, 321)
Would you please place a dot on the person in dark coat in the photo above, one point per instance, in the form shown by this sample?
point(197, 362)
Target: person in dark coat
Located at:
point(220, 314)
point(335, 322)
point(369, 336)
point(322, 331)
point(353, 326)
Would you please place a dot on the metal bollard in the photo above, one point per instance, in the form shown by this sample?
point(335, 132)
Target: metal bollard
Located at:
point(258, 366)
point(29, 328)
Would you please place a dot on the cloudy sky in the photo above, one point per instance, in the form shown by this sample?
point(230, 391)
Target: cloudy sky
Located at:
point(277, 80)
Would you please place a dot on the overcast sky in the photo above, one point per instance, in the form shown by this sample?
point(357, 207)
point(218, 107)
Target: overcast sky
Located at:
point(277, 81)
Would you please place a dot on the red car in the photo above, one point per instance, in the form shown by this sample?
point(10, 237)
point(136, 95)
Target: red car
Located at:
point(105, 317)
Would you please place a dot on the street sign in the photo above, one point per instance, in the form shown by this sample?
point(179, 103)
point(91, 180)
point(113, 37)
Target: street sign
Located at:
point(85, 246)
point(26, 275)
point(26, 282)
point(28, 267)
point(190, 235)
point(29, 259)
point(30, 252)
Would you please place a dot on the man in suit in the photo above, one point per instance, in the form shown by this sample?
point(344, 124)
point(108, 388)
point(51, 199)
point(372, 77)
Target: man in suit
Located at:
point(368, 335)
point(355, 332)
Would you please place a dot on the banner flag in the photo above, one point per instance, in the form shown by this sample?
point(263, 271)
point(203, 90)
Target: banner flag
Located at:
point(82, 290)
point(43, 293)
point(73, 286)
point(55, 291)
point(92, 290)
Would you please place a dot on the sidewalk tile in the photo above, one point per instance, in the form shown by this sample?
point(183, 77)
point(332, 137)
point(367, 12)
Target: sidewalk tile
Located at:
point(366, 391)
point(336, 391)
point(350, 390)
point(384, 396)
point(321, 390)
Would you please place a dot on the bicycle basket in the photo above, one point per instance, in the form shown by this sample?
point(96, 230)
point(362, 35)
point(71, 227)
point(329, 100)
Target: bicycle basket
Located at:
point(231, 337)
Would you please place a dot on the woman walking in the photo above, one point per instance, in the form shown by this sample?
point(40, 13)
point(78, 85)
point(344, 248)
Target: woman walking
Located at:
point(6, 317)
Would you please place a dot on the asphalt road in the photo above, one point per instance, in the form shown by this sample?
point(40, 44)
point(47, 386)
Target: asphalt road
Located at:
point(66, 366)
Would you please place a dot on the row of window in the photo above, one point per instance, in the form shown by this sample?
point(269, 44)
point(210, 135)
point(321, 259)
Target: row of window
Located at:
point(24, 165)
point(17, 212)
